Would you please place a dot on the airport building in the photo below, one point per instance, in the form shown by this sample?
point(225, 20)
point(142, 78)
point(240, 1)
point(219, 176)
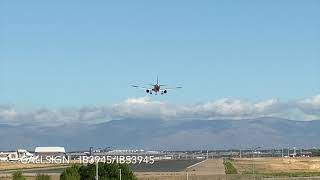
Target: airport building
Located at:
point(14, 155)
point(50, 151)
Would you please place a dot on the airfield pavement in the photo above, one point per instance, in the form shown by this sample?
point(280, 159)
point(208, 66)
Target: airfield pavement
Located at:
point(209, 169)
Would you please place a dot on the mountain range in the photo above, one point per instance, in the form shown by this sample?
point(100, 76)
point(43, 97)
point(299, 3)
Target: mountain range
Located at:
point(159, 134)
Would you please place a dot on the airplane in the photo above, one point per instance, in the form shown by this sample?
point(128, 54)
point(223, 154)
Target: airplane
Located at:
point(156, 88)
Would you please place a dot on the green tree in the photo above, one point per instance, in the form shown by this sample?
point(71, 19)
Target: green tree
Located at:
point(126, 172)
point(106, 172)
point(18, 176)
point(87, 172)
point(43, 177)
point(71, 173)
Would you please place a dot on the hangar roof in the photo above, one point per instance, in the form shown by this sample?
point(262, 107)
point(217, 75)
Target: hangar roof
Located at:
point(50, 150)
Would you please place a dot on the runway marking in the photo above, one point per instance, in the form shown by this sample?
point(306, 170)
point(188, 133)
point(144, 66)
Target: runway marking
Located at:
point(196, 164)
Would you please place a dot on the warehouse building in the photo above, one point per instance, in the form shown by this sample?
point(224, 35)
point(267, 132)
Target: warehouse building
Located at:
point(50, 151)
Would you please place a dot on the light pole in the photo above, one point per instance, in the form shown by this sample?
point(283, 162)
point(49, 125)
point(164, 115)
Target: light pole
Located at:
point(187, 174)
point(254, 150)
point(97, 168)
point(120, 173)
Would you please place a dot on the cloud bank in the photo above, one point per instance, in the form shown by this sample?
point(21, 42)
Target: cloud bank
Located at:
point(144, 107)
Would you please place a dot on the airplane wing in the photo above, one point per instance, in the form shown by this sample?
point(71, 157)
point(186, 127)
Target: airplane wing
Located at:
point(148, 90)
point(165, 90)
point(172, 88)
point(140, 87)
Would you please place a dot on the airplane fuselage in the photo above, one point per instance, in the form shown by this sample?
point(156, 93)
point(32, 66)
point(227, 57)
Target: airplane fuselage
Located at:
point(156, 88)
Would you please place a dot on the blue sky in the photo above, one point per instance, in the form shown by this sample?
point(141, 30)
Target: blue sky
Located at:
point(71, 53)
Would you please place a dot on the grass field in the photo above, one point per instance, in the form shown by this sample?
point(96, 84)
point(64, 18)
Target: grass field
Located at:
point(16, 165)
point(284, 167)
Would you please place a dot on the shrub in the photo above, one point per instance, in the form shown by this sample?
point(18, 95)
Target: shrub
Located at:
point(71, 173)
point(43, 177)
point(229, 168)
point(18, 176)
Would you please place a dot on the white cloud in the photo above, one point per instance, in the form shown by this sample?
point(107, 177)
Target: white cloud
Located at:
point(267, 105)
point(236, 108)
point(142, 100)
point(145, 107)
point(310, 105)
point(142, 108)
point(7, 112)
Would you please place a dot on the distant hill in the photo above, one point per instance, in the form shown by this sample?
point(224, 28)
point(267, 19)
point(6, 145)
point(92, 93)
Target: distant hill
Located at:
point(160, 134)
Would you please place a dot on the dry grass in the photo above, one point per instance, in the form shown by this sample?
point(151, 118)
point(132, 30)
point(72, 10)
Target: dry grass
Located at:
point(271, 165)
point(8, 167)
point(4, 166)
point(18, 165)
point(29, 176)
